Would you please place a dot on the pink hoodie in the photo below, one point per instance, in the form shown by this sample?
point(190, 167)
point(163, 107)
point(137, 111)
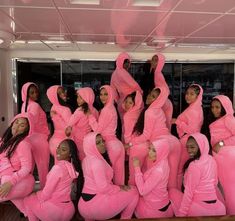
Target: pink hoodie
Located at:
point(200, 182)
point(38, 139)
point(191, 119)
point(35, 109)
point(131, 116)
point(224, 129)
point(18, 168)
point(106, 126)
point(53, 202)
point(152, 185)
point(60, 119)
point(160, 81)
point(98, 176)
point(79, 120)
point(121, 80)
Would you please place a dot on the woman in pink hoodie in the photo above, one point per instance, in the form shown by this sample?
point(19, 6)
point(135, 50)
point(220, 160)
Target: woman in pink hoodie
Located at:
point(53, 203)
point(60, 114)
point(122, 81)
point(188, 122)
point(106, 125)
point(16, 180)
point(101, 199)
point(158, 62)
point(39, 136)
point(151, 126)
point(200, 182)
point(78, 124)
point(152, 184)
point(222, 132)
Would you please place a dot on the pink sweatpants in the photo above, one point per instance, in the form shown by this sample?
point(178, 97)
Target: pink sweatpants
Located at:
point(106, 206)
point(116, 153)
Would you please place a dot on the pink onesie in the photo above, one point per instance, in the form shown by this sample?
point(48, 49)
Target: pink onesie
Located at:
point(38, 138)
point(152, 185)
point(18, 169)
point(106, 126)
point(188, 122)
point(200, 182)
point(53, 203)
point(108, 199)
point(79, 120)
point(160, 81)
point(224, 129)
point(60, 117)
point(122, 81)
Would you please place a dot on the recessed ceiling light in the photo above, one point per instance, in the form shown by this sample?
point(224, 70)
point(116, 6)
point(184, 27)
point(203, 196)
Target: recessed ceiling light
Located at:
point(1, 40)
point(150, 3)
point(85, 2)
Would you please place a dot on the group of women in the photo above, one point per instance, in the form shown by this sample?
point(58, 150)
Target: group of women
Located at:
point(167, 175)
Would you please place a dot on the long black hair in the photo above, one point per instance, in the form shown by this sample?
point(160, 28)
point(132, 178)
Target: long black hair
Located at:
point(77, 165)
point(10, 143)
point(27, 96)
point(85, 107)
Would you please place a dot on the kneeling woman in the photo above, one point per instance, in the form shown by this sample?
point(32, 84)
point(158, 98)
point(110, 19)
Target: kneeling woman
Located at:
point(100, 198)
point(54, 201)
point(152, 185)
point(200, 181)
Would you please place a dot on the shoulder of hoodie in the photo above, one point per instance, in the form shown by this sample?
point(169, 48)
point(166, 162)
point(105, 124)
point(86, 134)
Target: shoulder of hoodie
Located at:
point(25, 144)
point(58, 169)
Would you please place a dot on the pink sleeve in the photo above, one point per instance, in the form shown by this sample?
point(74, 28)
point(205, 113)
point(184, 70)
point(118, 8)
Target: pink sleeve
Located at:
point(34, 109)
point(75, 117)
point(192, 181)
point(53, 178)
point(230, 124)
point(102, 184)
point(148, 128)
point(61, 116)
point(191, 126)
point(103, 121)
point(148, 185)
point(25, 157)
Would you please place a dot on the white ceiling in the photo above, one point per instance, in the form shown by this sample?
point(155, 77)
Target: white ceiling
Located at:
point(176, 26)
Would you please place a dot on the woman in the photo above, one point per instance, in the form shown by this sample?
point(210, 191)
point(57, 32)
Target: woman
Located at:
point(78, 124)
point(151, 126)
point(152, 183)
point(54, 201)
point(101, 199)
point(39, 136)
point(222, 133)
point(60, 114)
point(16, 180)
point(188, 122)
point(200, 182)
point(106, 125)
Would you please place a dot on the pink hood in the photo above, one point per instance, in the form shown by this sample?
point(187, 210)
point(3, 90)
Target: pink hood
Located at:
point(161, 99)
point(111, 95)
point(203, 144)
point(198, 101)
point(52, 94)
point(161, 62)
point(226, 103)
point(120, 60)
point(24, 90)
point(29, 118)
point(162, 149)
point(69, 166)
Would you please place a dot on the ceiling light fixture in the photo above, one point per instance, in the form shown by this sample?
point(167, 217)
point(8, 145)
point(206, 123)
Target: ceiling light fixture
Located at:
point(150, 3)
point(1, 40)
point(85, 2)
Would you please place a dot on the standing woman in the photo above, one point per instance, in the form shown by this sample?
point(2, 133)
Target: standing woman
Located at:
point(152, 183)
point(188, 122)
point(222, 133)
point(200, 182)
point(16, 180)
point(100, 198)
point(39, 137)
point(78, 124)
point(53, 203)
point(106, 125)
point(122, 81)
point(60, 114)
